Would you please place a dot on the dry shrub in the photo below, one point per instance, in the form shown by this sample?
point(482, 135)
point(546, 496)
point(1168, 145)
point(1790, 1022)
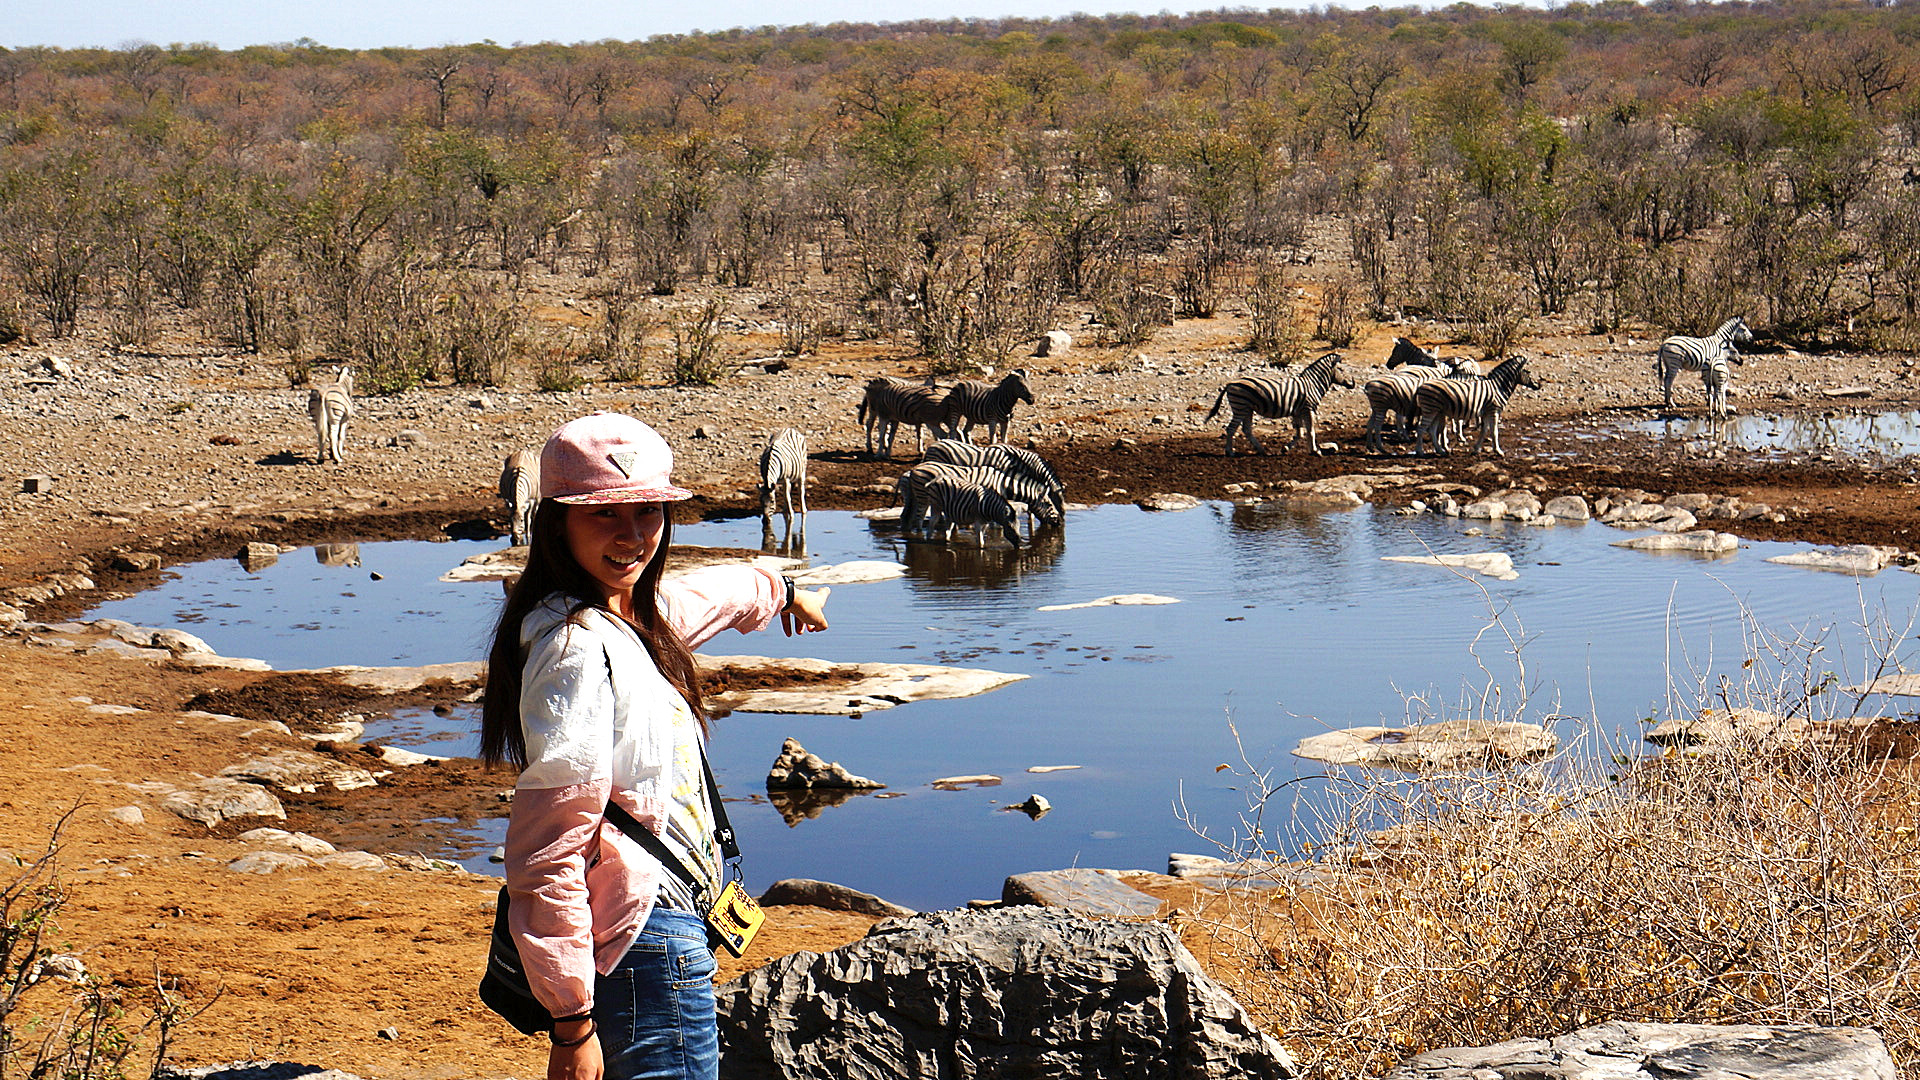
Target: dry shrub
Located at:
point(1768, 880)
point(696, 346)
point(1273, 317)
point(1338, 321)
point(619, 335)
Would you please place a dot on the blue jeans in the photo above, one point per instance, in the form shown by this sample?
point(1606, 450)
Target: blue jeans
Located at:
point(655, 1011)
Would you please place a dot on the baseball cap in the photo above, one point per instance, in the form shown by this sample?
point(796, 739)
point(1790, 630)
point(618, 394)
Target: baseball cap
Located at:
point(607, 458)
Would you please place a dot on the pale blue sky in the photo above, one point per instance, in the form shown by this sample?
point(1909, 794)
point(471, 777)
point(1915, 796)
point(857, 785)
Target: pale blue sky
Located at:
point(354, 24)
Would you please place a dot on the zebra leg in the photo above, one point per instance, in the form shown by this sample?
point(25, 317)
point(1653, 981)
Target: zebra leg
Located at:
point(1251, 440)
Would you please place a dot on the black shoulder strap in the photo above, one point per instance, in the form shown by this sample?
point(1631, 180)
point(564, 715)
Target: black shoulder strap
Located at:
point(722, 832)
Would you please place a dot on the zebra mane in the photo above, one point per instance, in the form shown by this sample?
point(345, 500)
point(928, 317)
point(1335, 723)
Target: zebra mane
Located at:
point(1508, 374)
point(1320, 372)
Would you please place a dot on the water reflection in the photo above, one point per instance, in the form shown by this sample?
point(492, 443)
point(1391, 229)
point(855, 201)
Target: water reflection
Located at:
point(1895, 434)
point(796, 806)
point(792, 543)
point(959, 564)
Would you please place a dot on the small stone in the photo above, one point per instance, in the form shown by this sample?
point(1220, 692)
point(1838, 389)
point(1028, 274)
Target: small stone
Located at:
point(1034, 806)
point(136, 562)
point(391, 1034)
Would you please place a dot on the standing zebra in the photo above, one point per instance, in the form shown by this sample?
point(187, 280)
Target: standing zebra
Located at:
point(330, 404)
point(1394, 394)
point(973, 506)
point(1480, 400)
point(783, 464)
point(1013, 460)
point(976, 402)
point(1296, 396)
point(1708, 356)
point(890, 402)
point(1016, 488)
point(520, 490)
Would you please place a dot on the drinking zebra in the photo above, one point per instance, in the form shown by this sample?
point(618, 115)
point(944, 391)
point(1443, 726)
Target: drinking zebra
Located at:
point(1479, 400)
point(1708, 356)
point(976, 402)
point(1014, 460)
point(330, 404)
point(890, 402)
point(520, 490)
point(1018, 489)
point(971, 506)
point(783, 463)
point(1296, 396)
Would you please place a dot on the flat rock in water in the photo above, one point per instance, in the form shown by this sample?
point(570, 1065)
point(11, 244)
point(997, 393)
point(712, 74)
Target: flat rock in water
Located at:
point(1906, 684)
point(1631, 1051)
point(1719, 727)
point(1702, 541)
point(1121, 600)
point(849, 573)
point(1848, 391)
point(882, 513)
point(832, 689)
point(806, 892)
point(399, 680)
point(1849, 559)
point(1168, 502)
point(1021, 991)
point(1493, 564)
point(1090, 892)
point(1445, 745)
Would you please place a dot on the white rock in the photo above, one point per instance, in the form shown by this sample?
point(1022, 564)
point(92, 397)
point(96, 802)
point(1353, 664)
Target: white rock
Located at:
point(1850, 559)
point(883, 513)
point(1484, 510)
point(401, 757)
point(1494, 564)
point(849, 573)
point(354, 860)
point(1705, 541)
point(270, 862)
point(287, 841)
point(1167, 502)
point(1448, 744)
point(1568, 508)
point(127, 815)
point(1122, 600)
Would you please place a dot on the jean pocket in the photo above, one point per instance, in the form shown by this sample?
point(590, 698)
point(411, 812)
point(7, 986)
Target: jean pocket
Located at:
point(692, 963)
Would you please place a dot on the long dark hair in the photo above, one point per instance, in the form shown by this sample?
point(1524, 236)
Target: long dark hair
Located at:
point(551, 568)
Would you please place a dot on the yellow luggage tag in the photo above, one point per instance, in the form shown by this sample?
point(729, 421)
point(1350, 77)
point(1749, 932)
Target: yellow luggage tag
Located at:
point(734, 918)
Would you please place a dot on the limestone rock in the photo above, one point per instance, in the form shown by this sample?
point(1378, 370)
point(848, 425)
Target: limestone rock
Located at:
point(270, 862)
point(282, 840)
point(858, 571)
point(300, 771)
point(1861, 559)
point(1121, 600)
point(1703, 541)
point(1446, 745)
point(796, 767)
point(1633, 1051)
point(216, 799)
point(845, 689)
point(1568, 508)
point(1719, 727)
point(258, 556)
point(1167, 502)
point(806, 892)
point(136, 562)
point(1053, 343)
point(1090, 892)
point(1217, 873)
point(179, 642)
point(1494, 564)
point(365, 861)
point(1010, 992)
point(1484, 510)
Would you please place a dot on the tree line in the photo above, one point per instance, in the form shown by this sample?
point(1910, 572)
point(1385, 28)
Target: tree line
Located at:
point(949, 184)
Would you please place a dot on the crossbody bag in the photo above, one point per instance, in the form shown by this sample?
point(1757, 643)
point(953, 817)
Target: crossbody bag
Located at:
point(732, 917)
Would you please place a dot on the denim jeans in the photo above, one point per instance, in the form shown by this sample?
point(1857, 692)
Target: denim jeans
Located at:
point(655, 1011)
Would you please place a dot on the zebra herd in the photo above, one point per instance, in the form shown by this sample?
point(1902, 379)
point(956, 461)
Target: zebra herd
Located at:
point(950, 412)
point(959, 484)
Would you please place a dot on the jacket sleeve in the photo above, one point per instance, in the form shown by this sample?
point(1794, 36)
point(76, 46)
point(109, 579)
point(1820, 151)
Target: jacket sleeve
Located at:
point(701, 603)
point(566, 709)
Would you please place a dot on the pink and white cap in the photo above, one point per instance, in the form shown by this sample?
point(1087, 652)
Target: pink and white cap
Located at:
point(607, 458)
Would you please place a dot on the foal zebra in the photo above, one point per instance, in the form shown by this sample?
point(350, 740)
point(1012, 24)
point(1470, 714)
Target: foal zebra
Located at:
point(1469, 399)
point(330, 404)
point(973, 506)
point(783, 464)
point(520, 490)
point(1296, 396)
point(1708, 356)
point(890, 402)
point(977, 402)
point(1013, 460)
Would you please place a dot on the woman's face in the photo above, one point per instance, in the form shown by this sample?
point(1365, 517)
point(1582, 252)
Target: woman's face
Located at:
point(614, 542)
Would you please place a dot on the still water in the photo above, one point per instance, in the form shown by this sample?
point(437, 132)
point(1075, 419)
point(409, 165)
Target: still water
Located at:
point(1890, 434)
point(1288, 624)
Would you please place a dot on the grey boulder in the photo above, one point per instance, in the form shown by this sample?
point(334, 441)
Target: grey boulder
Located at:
point(1012, 992)
point(1630, 1051)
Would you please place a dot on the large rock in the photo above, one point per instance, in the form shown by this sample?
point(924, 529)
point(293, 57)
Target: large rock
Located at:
point(1448, 744)
point(798, 767)
point(1013, 992)
point(1090, 892)
point(827, 688)
point(807, 892)
point(216, 799)
point(1720, 727)
point(1860, 559)
point(1568, 508)
point(300, 772)
point(1703, 541)
point(1630, 1051)
point(1494, 564)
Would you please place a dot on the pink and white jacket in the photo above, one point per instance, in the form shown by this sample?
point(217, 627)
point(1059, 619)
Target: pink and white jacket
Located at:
point(600, 721)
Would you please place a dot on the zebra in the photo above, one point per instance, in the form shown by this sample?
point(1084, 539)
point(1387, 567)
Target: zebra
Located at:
point(978, 403)
point(1014, 460)
point(520, 490)
point(1708, 356)
point(970, 505)
point(783, 463)
point(1406, 352)
point(330, 404)
point(1018, 489)
point(1394, 393)
point(1296, 396)
point(890, 402)
point(1476, 399)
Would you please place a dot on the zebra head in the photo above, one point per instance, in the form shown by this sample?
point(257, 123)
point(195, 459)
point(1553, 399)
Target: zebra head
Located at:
point(1343, 374)
point(1016, 384)
point(1406, 352)
point(1513, 372)
point(1737, 334)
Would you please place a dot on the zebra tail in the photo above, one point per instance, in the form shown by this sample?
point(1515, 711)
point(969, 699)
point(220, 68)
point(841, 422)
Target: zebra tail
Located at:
point(1217, 399)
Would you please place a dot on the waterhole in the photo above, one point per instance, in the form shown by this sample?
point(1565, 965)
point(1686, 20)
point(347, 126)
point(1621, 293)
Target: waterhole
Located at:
point(1888, 434)
point(1288, 624)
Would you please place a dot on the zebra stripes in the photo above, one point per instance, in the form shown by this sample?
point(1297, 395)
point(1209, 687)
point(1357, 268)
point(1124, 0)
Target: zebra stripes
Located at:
point(1708, 356)
point(782, 465)
point(971, 506)
point(1296, 396)
point(1013, 460)
point(890, 402)
point(1480, 400)
point(1394, 394)
point(1017, 488)
point(520, 490)
point(976, 402)
point(330, 404)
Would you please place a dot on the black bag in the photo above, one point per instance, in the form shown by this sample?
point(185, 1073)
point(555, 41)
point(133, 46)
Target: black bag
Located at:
point(504, 987)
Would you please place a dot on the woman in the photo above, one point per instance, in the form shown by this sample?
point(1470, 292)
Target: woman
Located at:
point(592, 692)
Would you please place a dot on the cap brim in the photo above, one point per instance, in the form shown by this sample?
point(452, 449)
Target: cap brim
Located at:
point(626, 495)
